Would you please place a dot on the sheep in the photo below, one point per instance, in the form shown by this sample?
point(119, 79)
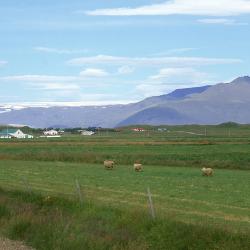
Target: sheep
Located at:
point(207, 171)
point(137, 167)
point(109, 164)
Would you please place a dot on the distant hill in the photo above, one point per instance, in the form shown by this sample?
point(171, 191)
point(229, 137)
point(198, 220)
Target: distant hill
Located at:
point(214, 104)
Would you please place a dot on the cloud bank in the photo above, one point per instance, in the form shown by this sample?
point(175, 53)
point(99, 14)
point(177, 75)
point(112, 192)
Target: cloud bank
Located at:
point(181, 7)
point(59, 51)
point(151, 61)
point(223, 21)
point(2, 63)
point(89, 72)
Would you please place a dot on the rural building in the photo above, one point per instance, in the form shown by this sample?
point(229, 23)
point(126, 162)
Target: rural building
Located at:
point(51, 132)
point(138, 129)
point(162, 129)
point(14, 133)
point(86, 132)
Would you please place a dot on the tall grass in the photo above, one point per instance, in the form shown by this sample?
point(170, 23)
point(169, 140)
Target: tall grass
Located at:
point(58, 223)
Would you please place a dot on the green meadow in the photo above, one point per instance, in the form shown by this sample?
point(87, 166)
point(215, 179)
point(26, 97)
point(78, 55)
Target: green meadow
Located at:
point(41, 204)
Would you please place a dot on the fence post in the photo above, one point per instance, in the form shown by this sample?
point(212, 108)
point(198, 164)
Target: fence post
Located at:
point(78, 190)
point(151, 205)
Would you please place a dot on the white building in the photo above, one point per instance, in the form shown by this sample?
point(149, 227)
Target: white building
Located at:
point(51, 132)
point(86, 132)
point(14, 133)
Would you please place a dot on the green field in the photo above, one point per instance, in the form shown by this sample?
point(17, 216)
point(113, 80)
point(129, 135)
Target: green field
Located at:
point(192, 212)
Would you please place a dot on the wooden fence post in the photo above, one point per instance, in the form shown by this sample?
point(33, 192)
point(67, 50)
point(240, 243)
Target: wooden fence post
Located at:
point(78, 190)
point(151, 205)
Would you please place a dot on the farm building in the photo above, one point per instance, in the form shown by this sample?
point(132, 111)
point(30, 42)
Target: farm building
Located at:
point(51, 132)
point(138, 129)
point(14, 133)
point(162, 129)
point(86, 132)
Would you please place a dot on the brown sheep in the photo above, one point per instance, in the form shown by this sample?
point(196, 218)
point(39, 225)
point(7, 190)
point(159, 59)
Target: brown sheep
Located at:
point(109, 164)
point(138, 167)
point(207, 171)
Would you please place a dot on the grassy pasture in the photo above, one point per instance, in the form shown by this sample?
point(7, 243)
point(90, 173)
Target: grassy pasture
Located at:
point(191, 151)
point(224, 146)
point(217, 209)
point(180, 192)
point(193, 212)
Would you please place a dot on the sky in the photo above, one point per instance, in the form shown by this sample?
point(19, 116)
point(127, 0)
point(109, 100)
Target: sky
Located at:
point(96, 52)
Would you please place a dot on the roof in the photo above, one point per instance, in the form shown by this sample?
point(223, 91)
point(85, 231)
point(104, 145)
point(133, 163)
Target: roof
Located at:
point(8, 131)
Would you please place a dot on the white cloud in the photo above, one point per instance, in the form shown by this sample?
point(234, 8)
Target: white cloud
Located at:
point(59, 51)
point(151, 61)
point(182, 7)
point(2, 63)
point(57, 86)
point(180, 75)
point(148, 90)
point(90, 72)
point(124, 70)
point(223, 21)
point(90, 79)
point(39, 78)
point(174, 51)
point(169, 79)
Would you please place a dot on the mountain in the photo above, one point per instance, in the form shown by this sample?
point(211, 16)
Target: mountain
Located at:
point(214, 104)
point(178, 94)
point(156, 116)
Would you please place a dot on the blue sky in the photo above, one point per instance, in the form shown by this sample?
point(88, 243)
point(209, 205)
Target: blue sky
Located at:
point(117, 51)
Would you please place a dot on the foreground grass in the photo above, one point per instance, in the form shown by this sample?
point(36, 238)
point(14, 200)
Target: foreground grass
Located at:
point(58, 223)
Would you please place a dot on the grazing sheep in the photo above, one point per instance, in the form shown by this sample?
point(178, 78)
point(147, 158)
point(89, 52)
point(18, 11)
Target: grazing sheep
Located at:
point(138, 167)
point(207, 171)
point(109, 164)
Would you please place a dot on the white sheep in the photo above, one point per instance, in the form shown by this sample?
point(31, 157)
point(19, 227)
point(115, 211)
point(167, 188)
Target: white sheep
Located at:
point(109, 164)
point(207, 171)
point(138, 167)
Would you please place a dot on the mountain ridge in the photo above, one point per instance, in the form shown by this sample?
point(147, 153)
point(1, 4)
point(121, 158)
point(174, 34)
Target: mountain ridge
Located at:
point(209, 104)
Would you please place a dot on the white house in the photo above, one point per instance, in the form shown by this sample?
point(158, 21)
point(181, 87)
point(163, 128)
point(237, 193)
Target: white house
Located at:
point(138, 129)
point(86, 132)
point(14, 133)
point(51, 132)
point(162, 129)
